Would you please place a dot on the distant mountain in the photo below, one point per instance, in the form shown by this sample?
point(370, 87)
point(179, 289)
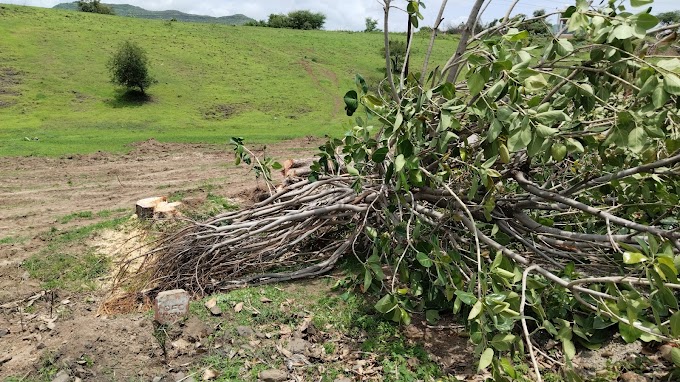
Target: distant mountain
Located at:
point(133, 11)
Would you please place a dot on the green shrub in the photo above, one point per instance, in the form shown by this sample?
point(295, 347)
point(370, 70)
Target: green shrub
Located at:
point(95, 6)
point(129, 67)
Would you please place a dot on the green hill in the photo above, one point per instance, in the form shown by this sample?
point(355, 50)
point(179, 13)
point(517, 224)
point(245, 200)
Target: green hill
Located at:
point(214, 81)
point(133, 11)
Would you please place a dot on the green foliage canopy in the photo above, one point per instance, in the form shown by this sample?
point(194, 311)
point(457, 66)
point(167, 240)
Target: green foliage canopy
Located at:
point(371, 25)
point(525, 184)
point(129, 67)
point(668, 18)
point(94, 6)
point(305, 20)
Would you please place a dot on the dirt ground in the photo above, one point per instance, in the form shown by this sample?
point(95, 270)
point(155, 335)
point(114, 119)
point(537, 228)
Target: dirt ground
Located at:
point(60, 330)
point(36, 192)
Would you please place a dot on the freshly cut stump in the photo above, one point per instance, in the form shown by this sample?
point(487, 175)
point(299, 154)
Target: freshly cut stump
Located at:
point(145, 207)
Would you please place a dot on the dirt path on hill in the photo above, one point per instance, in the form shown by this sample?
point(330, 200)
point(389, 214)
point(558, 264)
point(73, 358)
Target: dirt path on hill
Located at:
point(37, 193)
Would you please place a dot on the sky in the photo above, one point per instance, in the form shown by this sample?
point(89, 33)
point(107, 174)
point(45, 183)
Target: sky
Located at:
point(345, 14)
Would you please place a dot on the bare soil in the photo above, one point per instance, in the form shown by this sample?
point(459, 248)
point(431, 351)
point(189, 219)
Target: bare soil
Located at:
point(36, 192)
point(61, 330)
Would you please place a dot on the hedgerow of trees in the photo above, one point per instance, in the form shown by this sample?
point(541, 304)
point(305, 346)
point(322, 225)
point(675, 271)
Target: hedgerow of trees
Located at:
point(668, 18)
point(94, 6)
point(531, 190)
point(304, 19)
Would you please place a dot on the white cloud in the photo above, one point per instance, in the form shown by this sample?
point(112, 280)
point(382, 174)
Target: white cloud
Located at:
point(342, 14)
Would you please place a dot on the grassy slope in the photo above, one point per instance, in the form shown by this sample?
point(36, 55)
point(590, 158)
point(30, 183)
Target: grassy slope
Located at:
point(279, 83)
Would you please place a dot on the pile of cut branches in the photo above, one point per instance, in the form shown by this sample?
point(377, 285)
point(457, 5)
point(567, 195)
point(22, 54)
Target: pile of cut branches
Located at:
point(529, 185)
point(299, 232)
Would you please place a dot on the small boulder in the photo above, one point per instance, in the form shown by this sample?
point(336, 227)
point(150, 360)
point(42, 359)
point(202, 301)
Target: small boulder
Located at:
point(245, 331)
point(273, 375)
point(195, 330)
point(632, 377)
point(62, 376)
point(298, 346)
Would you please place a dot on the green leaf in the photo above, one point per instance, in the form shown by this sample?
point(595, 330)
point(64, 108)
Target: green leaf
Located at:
point(672, 65)
point(649, 86)
point(432, 316)
point(628, 332)
point(368, 279)
point(476, 310)
point(508, 368)
point(276, 166)
point(544, 131)
point(519, 139)
point(385, 304)
point(351, 102)
point(573, 145)
point(494, 130)
point(465, 297)
point(558, 151)
point(399, 162)
point(639, 3)
point(569, 349)
point(660, 97)
point(631, 258)
point(485, 359)
point(564, 47)
point(535, 83)
point(361, 84)
point(622, 32)
point(637, 139)
point(551, 117)
point(475, 83)
point(675, 324)
point(515, 34)
point(424, 260)
point(503, 341)
point(496, 89)
point(352, 171)
point(373, 101)
point(371, 232)
point(379, 155)
point(671, 84)
point(646, 21)
point(675, 356)
point(398, 120)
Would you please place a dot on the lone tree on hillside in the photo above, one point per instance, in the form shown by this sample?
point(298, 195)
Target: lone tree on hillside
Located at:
point(371, 25)
point(129, 67)
point(94, 6)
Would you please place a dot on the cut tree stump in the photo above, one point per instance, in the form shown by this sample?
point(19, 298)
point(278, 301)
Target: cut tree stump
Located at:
point(166, 210)
point(297, 167)
point(145, 208)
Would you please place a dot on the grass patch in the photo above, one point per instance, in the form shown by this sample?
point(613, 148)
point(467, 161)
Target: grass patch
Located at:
point(215, 81)
point(77, 215)
point(57, 237)
point(11, 240)
point(66, 263)
point(68, 271)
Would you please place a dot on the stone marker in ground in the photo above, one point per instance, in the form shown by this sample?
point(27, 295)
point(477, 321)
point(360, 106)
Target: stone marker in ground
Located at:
point(171, 306)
